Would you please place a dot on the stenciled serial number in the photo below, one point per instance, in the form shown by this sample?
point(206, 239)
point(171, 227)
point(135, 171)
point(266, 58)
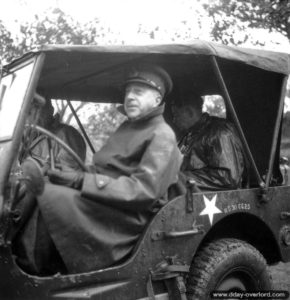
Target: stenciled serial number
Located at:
point(239, 206)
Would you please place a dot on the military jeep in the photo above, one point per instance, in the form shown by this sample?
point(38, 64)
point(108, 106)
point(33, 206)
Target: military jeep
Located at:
point(198, 243)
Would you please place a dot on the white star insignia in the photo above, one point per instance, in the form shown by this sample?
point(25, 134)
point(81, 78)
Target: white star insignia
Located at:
point(210, 208)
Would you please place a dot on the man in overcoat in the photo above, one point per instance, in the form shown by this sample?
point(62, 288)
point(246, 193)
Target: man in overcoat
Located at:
point(94, 219)
point(39, 147)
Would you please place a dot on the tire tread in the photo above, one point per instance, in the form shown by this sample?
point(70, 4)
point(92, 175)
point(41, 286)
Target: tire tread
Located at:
point(208, 257)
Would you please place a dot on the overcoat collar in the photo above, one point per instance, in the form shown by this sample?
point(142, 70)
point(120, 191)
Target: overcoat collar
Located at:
point(154, 113)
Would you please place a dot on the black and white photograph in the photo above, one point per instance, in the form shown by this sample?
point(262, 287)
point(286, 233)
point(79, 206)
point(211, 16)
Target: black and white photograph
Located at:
point(144, 149)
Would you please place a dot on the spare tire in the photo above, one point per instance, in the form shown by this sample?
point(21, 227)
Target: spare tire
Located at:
point(227, 265)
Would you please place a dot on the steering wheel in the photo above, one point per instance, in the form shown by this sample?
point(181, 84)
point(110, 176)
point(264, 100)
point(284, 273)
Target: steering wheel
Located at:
point(53, 137)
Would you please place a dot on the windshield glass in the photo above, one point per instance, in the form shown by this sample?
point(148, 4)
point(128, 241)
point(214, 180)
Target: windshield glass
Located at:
point(12, 90)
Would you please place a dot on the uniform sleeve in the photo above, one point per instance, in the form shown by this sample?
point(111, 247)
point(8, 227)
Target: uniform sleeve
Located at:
point(75, 141)
point(156, 171)
point(224, 167)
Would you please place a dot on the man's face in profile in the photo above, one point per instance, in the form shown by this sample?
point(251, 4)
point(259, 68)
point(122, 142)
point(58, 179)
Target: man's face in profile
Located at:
point(45, 117)
point(40, 115)
point(184, 116)
point(140, 100)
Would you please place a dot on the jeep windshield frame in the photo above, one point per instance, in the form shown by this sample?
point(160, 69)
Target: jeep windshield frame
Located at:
point(13, 87)
point(11, 144)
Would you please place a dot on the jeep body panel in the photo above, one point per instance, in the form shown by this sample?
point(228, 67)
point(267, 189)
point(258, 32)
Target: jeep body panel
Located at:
point(174, 231)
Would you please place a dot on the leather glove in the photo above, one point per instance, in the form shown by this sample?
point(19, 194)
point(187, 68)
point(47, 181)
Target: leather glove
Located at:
point(70, 179)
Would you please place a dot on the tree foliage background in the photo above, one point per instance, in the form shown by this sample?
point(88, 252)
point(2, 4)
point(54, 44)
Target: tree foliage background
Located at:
point(231, 16)
point(230, 21)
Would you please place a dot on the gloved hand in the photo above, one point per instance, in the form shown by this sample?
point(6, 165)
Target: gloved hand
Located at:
point(71, 179)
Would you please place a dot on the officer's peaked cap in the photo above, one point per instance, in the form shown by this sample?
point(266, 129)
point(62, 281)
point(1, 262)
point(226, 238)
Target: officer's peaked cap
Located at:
point(152, 76)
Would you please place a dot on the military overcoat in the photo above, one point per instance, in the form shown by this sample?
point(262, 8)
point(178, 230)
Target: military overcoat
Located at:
point(39, 148)
point(99, 225)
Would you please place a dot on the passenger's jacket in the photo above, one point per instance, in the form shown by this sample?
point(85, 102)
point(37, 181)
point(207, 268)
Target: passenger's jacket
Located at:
point(213, 154)
point(39, 148)
point(100, 225)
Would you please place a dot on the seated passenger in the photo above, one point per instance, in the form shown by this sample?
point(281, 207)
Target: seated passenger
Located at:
point(213, 152)
point(39, 147)
point(96, 219)
point(39, 150)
